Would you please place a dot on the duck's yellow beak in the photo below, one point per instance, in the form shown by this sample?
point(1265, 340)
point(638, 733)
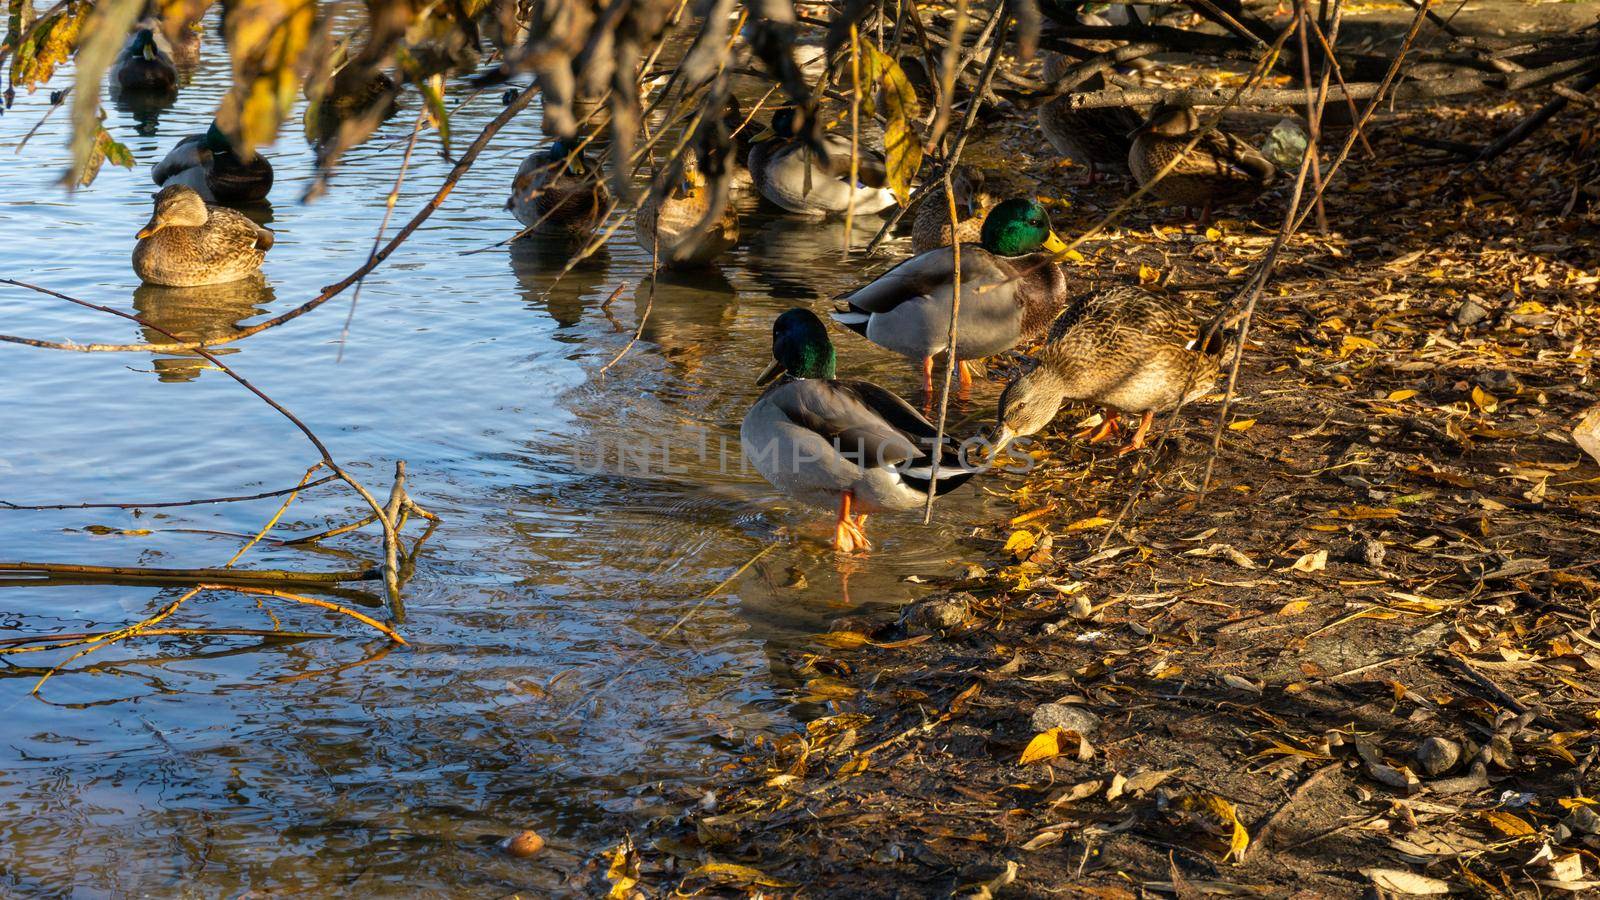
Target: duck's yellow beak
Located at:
point(772, 372)
point(150, 227)
point(1055, 245)
point(150, 51)
point(998, 441)
point(765, 134)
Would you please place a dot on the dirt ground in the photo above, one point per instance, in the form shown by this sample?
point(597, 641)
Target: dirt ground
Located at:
point(1362, 663)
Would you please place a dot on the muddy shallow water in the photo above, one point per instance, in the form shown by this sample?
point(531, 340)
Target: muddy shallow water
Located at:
point(564, 671)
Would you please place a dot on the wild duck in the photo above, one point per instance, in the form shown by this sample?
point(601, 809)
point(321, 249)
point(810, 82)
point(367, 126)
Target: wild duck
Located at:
point(1011, 287)
point(931, 227)
point(145, 63)
point(849, 446)
point(666, 223)
point(208, 164)
point(1220, 169)
point(1123, 348)
point(789, 173)
point(1098, 139)
point(188, 242)
point(559, 191)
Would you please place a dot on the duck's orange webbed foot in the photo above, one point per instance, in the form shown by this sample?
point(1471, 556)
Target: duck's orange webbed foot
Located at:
point(1137, 441)
point(849, 532)
point(1097, 434)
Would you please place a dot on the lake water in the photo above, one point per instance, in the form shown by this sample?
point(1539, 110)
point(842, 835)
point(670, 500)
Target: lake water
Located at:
point(545, 685)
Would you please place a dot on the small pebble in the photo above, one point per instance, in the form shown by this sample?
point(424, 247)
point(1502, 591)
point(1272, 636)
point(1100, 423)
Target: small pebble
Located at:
point(523, 844)
point(938, 614)
point(1436, 755)
point(1064, 715)
point(1471, 311)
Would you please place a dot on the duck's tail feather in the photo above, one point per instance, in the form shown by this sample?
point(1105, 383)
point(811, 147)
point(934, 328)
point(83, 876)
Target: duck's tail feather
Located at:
point(852, 318)
point(918, 475)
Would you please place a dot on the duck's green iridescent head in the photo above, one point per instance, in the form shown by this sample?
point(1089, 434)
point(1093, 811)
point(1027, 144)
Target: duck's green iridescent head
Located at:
point(567, 152)
point(216, 141)
point(786, 122)
point(144, 43)
point(800, 347)
point(1018, 227)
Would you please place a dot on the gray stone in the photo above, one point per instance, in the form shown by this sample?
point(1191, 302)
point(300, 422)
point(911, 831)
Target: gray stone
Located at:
point(1064, 715)
point(1436, 755)
point(937, 614)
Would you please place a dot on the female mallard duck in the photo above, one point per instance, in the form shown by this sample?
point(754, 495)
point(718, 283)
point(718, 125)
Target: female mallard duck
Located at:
point(1011, 287)
point(789, 173)
point(1098, 139)
point(208, 164)
point(930, 230)
point(145, 63)
point(1123, 348)
point(1220, 169)
point(666, 223)
point(187, 242)
point(845, 445)
point(559, 191)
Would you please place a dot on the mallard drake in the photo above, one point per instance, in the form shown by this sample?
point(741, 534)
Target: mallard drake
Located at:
point(789, 173)
point(931, 227)
point(208, 164)
point(666, 223)
point(189, 242)
point(1098, 139)
point(559, 191)
point(850, 446)
point(1123, 348)
point(145, 63)
point(1011, 287)
point(1220, 169)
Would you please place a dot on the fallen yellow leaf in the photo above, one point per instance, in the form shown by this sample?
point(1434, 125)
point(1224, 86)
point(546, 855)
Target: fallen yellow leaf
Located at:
point(1091, 522)
point(1241, 424)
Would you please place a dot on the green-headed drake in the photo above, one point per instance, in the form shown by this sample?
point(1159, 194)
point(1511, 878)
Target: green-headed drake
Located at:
point(209, 165)
point(1123, 348)
point(848, 446)
point(145, 63)
point(789, 173)
point(1219, 170)
point(1011, 287)
point(559, 190)
point(667, 220)
point(188, 242)
point(931, 227)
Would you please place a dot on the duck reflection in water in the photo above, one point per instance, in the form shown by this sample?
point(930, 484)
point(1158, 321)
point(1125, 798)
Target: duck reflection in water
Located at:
point(198, 313)
point(794, 251)
point(690, 318)
point(538, 261)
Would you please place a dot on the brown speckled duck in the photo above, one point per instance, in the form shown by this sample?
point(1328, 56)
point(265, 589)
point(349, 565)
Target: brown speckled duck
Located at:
point(1123, 348)
point(664, 223)
point(1098, 139)
point(1220, 169)
point(187, 242)
point(559, 191)
point(930, 229)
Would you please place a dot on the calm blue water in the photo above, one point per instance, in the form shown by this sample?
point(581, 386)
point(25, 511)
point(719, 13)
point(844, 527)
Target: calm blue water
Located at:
point(538, 690)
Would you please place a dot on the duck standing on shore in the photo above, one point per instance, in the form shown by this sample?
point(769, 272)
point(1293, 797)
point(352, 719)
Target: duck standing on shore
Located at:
point(1011, 287)
point(188, 242)
point(1221, 169)
point(1124, 348)
point(850, 446)
point(788, 172)
point(208, 164)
